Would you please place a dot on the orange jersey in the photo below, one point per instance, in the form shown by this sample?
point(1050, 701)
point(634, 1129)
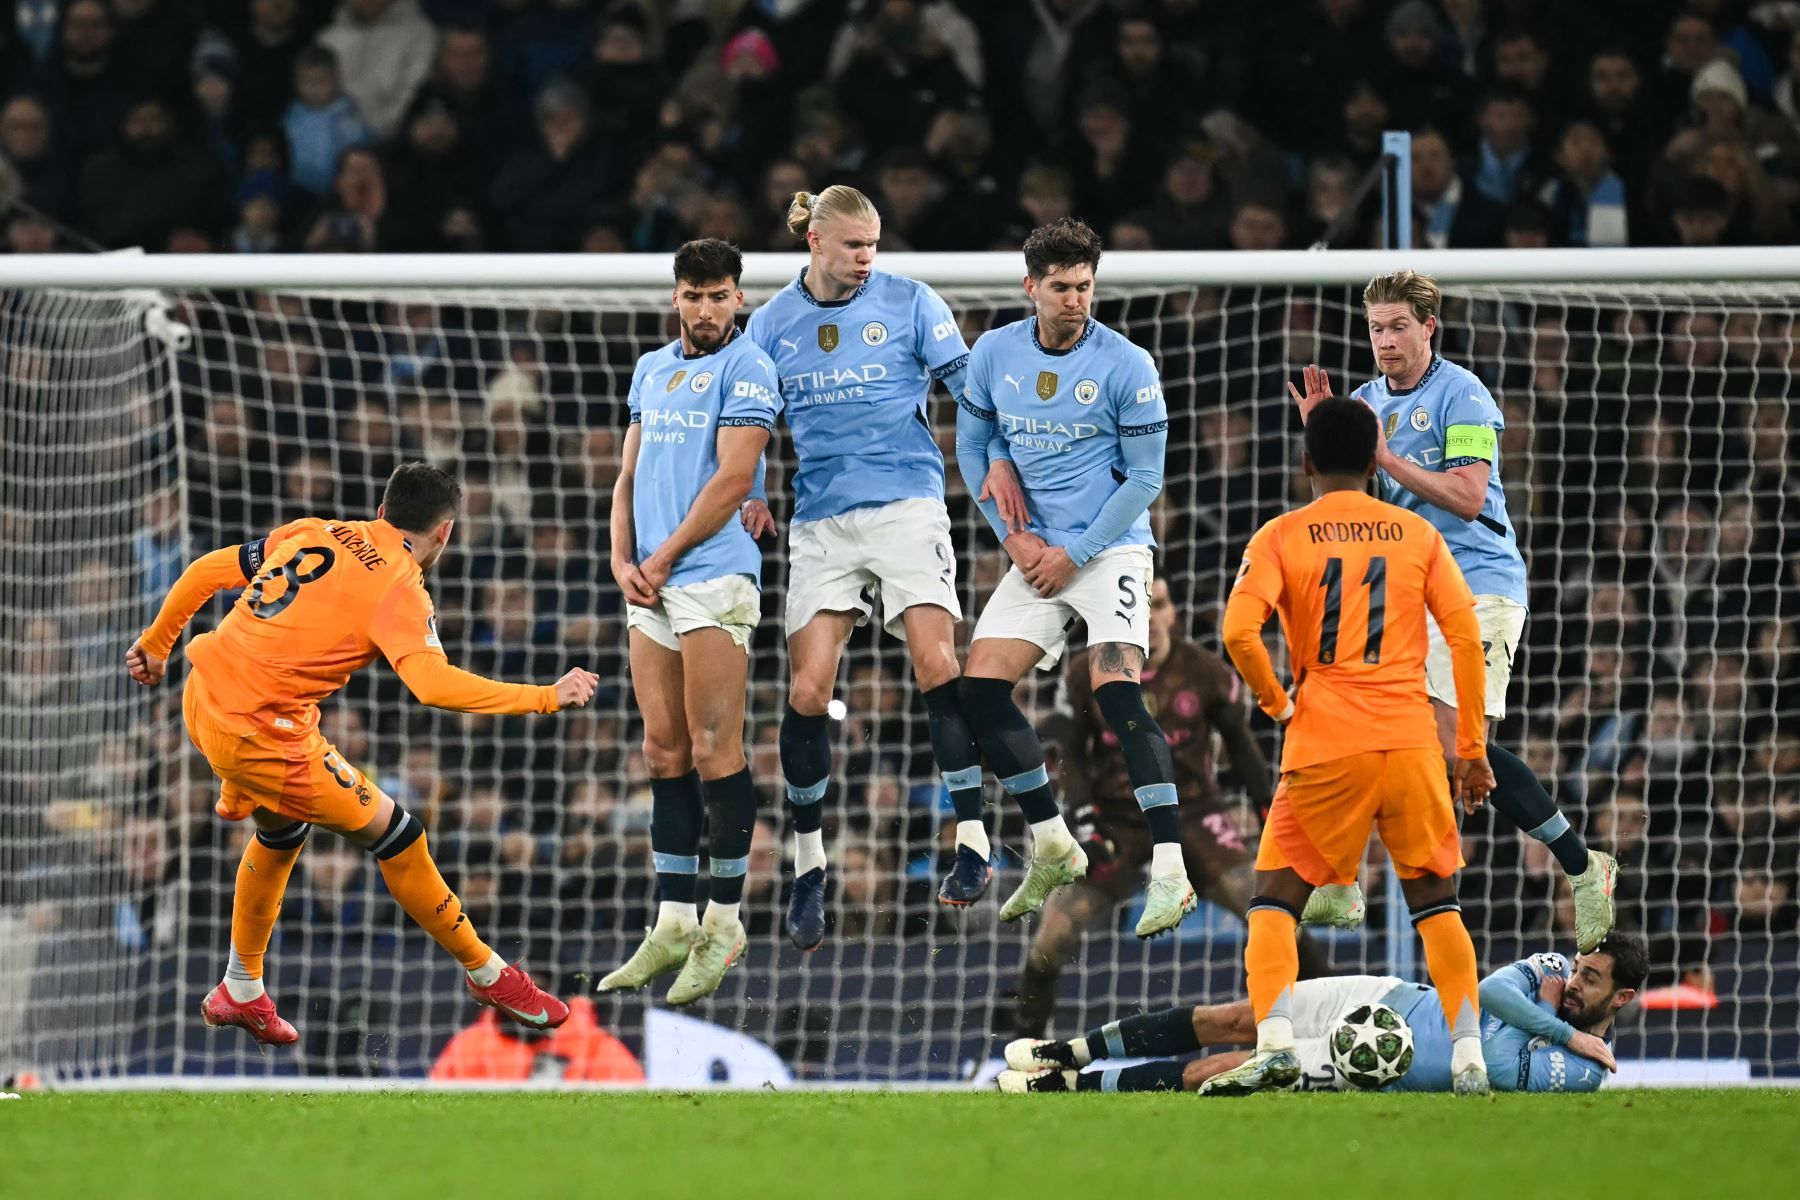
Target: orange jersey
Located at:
point(320, 599)
point(1352, 578)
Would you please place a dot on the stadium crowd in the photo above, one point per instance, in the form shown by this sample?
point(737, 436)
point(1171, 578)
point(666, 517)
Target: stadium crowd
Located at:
point(632, 125)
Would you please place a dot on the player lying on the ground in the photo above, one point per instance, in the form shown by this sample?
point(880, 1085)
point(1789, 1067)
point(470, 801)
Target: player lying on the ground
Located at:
point(701, 411)
point(857, 351)
point(1532, 1012)
point(1353, 578)
point(1192, 692)
point(1439, 455)
point(320, 599)
point(1082, 410)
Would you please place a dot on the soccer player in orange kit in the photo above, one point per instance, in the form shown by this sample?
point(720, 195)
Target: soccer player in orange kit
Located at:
point(1352, 578)
point(321, 598)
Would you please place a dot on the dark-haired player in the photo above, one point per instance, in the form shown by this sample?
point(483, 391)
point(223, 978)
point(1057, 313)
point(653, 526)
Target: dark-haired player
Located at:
point(701, 411)
point(320, 599)
point(1544, 1026)
point(1081, 410)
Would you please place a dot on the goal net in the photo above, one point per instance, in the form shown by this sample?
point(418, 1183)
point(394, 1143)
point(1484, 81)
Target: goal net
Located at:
point(1646, 457)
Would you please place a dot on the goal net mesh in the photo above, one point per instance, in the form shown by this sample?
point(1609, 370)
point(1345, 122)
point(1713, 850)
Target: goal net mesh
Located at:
point(1647, 463)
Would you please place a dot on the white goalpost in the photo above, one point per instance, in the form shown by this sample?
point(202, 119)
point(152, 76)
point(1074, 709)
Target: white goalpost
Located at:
point(153, 408)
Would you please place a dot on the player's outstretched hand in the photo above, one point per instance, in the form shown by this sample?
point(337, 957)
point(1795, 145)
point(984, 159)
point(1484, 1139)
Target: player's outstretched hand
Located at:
point(631, 581)
point(144, 666)
point(576, 688)
point(1589, 1046)
point(1318, 387)
point(1474, 780)
point(1003, 488)
point(1051, 572)
point(757, 518)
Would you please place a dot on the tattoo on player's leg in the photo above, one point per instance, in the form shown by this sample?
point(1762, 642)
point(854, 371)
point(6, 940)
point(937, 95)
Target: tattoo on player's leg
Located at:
point(1118, 658)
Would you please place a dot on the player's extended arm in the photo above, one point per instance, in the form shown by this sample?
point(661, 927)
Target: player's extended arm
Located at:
point(1247, 761)
point(976, 432)
point(624, 527)
point(1144, 454)
point(214, 572)
point(1458, 490)
point(740, 449)
point(1452, 605)
point(1511, 994)
point(437, 683)
point(1245, 615)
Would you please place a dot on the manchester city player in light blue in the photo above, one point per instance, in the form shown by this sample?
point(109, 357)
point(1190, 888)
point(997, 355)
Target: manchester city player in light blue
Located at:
point(857, 351)
point(1081, 410)
point(1440, 456)
point(701, 411)
point(1543, 1029)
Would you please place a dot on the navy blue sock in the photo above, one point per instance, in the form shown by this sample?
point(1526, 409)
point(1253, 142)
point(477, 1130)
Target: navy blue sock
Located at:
point(1147, 757)
point(1145, 1077)
point(730, 817)
point(806, 766)
point(1011, 746)
point(1521, 799)
point(1163, 1034)
point(953, 745)
point(675, 836)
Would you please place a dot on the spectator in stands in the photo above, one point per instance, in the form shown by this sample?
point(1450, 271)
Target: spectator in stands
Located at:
point(266, 48)
point(1505, 164)
point(1522, 63)
point(1587, 198)
point(1416, 78)
point(1623, 112)
point(1456, 215)
point(906, 190)
point(1045, 196)
point(437, 183)
point(86, 87)
point(150, 183)
point(898, 75)
point(1724, 113)
point(1190, 211)
point(357, 219)
point(625, 84)
point(543, 195)
point(29, 147)
point(1164, 83)
point(578, 1051)
point(971, 213)
point(321, 123)
point(1702, 212)
point(385, 49)
point(1692, 42)
point(1258, 225)
point(1366, 116)
point(1110, 163)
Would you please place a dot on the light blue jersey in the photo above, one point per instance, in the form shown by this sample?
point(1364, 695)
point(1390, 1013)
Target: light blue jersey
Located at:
point(1522, 1039)
point(855, 375)
point(1448, 420)
point(681, 403)
point(1086, 427)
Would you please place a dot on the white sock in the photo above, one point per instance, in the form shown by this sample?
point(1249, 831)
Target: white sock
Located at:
point(488, 972)
point(1275, 1033)
point(1166, 861)
point(675, 914)
point(719, 915)
point(973, 834)
point(1051, 836)
point(1083, 1056)
point(809, 851)
point(1465, 1052)
point(238, 984)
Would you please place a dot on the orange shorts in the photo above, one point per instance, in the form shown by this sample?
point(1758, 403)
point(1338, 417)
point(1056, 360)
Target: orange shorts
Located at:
point(1320, 822)
point(302, 777)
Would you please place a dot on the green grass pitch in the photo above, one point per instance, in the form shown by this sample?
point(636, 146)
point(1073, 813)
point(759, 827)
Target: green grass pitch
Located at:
point(854, 1145)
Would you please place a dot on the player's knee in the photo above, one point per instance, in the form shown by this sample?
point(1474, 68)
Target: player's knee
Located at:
point(403, 829)
point(934, 666)
point(810, 693)
point(987, 702)
point(718, 752)
point(667, 758)
point(287, 837)
point(1424, 908)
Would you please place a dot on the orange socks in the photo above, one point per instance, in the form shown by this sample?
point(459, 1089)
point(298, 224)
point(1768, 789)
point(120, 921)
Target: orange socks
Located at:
point(1450, 957)
point(414, 880)
point(262, 879)
point(1272, 963)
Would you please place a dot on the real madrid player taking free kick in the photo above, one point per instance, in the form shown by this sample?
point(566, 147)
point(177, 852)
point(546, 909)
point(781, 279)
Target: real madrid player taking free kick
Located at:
point(701, 411)
point(319, 599)
point(857, 350)
point(1439, 456)
point(1082, 411)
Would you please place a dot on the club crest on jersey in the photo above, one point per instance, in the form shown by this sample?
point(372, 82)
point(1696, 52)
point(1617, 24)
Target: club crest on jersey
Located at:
point(1087, 391)
point(675, 380)
point(828, 338)
point(874, 333)
point(1393, 424)
point(1046, 387)
point(702, 381)
point(1421, 420)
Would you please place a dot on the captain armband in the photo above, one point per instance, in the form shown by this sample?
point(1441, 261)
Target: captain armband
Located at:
point(1464, 444)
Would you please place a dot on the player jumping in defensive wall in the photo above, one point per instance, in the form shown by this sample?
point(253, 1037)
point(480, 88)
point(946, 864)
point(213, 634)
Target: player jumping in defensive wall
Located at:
point(320, 599)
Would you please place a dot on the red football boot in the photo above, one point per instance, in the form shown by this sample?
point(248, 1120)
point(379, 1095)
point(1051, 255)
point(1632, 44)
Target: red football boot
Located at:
point(258, 1016)
point(524, 1001)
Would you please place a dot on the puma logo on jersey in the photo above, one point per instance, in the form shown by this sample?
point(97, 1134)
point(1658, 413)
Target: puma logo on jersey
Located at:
point(1014, 382)
point(790, 344)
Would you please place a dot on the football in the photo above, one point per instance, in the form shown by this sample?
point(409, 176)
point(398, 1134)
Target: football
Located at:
point(1372, 1046)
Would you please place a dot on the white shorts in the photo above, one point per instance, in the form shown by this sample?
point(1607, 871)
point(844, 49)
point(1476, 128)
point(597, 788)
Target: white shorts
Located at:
point(1110, 593)
point(1317, 1005)
point(730, 602)
point(899, 552)
point(1502, 622)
